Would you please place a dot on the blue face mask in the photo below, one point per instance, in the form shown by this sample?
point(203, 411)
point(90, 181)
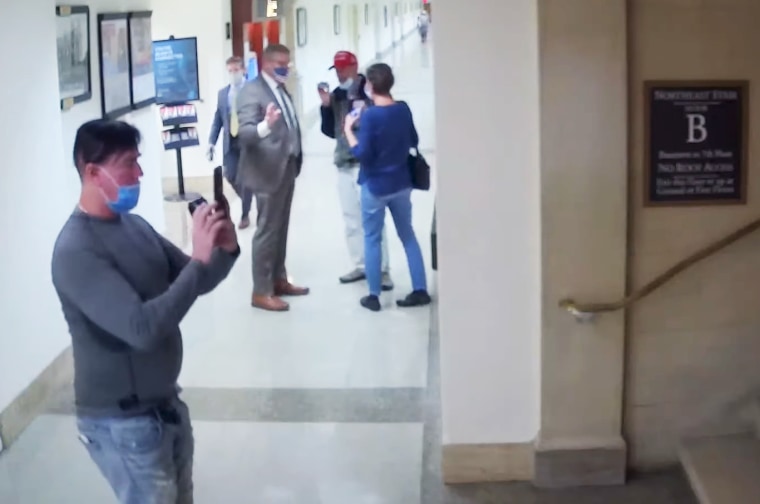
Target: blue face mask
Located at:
point(126, 198)
point(281, 73)
point(347, 84)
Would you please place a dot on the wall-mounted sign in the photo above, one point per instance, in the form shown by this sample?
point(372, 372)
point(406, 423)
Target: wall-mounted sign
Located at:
point(271, 8)
point(266, 9)
point(696, 136)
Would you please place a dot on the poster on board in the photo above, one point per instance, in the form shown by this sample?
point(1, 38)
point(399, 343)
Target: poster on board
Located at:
point(175, 67)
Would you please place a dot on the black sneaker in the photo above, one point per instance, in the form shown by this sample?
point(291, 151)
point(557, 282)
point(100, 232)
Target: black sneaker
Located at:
point(416, 298)
point(371, 302)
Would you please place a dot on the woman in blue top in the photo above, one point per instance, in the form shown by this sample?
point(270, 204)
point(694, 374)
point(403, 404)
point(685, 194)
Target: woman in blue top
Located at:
point(385, 138)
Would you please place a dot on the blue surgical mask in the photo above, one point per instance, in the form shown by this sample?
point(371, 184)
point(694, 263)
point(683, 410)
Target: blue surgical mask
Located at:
point(126, 198)
point(368, 92)
point(347, 84)
point(281, 74)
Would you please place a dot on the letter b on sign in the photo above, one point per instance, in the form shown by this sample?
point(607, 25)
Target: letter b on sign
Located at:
point(697, 129)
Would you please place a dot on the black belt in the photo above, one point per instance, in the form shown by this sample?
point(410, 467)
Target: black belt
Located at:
point(164, 409)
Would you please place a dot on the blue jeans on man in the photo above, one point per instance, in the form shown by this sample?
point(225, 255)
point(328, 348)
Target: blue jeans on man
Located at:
point(147, 459)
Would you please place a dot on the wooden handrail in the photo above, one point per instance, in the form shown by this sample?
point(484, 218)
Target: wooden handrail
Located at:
point(580, 309)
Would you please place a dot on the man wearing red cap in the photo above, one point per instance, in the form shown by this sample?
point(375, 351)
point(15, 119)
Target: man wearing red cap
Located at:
point(348, 96)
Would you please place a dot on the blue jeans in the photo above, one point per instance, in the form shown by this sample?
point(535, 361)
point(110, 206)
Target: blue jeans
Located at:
point(145, 459)
point(373, 221)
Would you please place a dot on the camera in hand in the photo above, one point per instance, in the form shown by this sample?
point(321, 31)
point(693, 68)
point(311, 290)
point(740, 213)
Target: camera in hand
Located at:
point(193, 205)
point(221, 201)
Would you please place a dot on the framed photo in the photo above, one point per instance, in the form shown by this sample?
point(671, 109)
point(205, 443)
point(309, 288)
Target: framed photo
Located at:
point(73, 44)
point(336, 19)
point(301, 28)
point(141, 60)
point(115, 79)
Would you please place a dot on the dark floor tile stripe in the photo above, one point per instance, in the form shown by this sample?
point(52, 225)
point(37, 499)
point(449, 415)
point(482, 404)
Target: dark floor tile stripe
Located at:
point(291, 405)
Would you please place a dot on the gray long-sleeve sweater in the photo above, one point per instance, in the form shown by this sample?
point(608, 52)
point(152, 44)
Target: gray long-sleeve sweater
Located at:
point(124, 290)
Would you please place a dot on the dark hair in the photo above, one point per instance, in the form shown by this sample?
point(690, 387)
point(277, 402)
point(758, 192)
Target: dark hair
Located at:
point(273, 49)
point(381, 77)
point(236, 60)
point(99, 140)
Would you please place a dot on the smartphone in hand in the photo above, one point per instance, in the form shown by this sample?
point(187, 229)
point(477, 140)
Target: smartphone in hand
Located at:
point(221, 201)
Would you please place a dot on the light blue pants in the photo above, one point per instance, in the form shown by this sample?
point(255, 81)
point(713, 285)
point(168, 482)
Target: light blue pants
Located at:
point(145, 459)
point(373, 221)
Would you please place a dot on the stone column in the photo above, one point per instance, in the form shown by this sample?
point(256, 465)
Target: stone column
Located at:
point(488, 224)
point(584, 101)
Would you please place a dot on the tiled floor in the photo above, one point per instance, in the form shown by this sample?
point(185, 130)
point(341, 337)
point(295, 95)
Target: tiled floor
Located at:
point(326, 404)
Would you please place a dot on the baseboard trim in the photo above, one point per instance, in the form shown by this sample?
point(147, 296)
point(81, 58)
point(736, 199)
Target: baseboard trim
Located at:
point(480, 463)
point(566, 463)
point(31, 402)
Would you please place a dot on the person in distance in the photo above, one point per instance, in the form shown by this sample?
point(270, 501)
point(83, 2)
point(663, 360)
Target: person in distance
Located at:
point(385, 139)
point(347, 97)
point(226, 119)
point(123, 290)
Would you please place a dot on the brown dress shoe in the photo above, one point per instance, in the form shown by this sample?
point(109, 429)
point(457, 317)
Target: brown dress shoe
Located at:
point(245, 222)
point(269, 303)
point(285, 288)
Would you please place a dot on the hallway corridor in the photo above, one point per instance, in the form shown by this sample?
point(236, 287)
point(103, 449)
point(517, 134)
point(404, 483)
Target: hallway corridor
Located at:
point(326, 404)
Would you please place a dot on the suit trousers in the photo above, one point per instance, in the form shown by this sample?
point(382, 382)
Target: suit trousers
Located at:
point(230, 163)
point(270, 241)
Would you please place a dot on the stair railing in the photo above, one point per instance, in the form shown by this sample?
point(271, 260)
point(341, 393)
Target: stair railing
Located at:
point(586, 312)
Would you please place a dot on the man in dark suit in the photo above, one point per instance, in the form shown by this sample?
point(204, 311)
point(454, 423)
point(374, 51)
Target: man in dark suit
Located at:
point(270, 161)
point(226, 118)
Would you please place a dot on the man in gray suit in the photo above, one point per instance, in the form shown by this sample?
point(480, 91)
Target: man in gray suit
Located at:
point(227, 117)
point(270, 161)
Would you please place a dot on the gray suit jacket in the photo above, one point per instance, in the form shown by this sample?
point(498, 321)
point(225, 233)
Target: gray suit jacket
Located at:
point(221, 120)
point(263, 161)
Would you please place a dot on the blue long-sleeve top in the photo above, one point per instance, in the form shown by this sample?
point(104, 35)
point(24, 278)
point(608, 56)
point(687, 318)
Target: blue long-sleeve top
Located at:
point(386, 135)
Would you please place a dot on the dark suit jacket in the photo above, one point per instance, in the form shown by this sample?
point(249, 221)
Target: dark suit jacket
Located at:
point(221, 120)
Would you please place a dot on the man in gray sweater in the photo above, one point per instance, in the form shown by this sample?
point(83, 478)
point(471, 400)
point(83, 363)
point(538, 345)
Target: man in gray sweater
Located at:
point(124, 290)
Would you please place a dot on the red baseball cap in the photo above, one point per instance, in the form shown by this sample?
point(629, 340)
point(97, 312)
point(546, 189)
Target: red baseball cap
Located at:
point(344, 59)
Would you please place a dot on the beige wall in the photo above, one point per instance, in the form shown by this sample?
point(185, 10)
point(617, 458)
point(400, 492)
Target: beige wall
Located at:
point(694, 346)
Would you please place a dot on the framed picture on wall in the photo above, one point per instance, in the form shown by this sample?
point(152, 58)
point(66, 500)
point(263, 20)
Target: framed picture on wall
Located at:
point(301, 27)
point(73, 45)
point(336, 19)
point(115, 80)
point(141, 60)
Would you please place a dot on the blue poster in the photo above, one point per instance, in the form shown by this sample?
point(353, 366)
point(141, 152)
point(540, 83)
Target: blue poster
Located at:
point(175, 66)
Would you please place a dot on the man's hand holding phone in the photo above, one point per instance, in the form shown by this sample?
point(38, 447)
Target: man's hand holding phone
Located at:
point(324, 93)
point(207, 226)
point(226, 239)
